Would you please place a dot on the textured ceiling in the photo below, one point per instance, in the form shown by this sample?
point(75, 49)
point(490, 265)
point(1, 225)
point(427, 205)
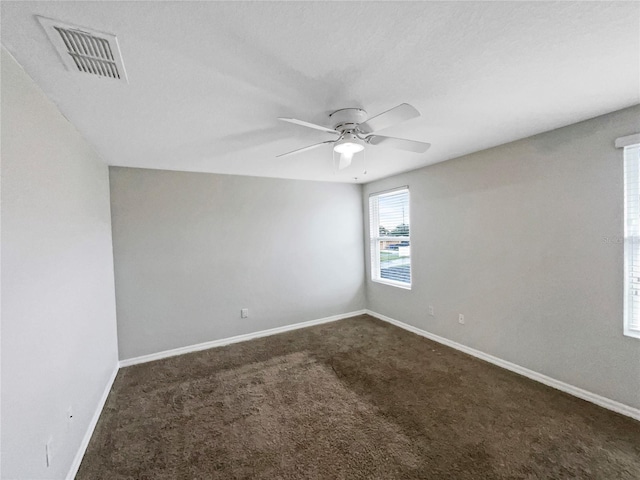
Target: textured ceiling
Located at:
point(207, 80)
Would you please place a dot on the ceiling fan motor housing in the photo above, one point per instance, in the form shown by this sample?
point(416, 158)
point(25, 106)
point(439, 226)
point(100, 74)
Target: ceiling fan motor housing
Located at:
point(347, 118)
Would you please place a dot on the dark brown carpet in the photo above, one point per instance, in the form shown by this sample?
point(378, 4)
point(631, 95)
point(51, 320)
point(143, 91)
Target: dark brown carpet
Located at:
point(355, 399)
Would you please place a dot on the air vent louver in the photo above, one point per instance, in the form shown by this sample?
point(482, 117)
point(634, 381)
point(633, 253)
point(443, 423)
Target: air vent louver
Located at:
point(86, 51)
point(90, 53)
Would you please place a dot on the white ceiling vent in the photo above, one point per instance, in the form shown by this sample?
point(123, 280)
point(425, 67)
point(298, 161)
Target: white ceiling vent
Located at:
point(84, 50)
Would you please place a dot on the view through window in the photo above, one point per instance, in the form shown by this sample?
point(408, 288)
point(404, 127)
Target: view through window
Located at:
point(632, 240)
point(390, 237)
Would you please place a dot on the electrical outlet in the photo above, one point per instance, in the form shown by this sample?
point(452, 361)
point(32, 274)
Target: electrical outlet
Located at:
point(431, 312)
point(244, 313)
point(461, 319)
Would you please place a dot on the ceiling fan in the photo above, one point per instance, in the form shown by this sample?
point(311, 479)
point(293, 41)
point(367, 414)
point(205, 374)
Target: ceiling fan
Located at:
point(355, 131)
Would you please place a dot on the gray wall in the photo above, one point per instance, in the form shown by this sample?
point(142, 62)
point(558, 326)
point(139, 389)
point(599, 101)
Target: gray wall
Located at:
point(192, 249)
point(524, 240)
point(58, 306)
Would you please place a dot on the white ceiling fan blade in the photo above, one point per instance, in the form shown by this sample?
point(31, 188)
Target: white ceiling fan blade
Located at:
point(304, 149)
point(345, 160)
point(401, 143)
point(399, 114)
point(310, 125)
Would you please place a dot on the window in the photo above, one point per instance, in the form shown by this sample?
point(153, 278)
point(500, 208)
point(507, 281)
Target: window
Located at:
point(632, 241)
point(390, 237)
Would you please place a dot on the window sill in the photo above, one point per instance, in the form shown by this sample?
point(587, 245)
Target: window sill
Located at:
point(632, 333)
point(391, 283)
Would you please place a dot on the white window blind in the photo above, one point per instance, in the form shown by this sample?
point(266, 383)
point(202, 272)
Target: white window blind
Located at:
point(390, 237)
point(632, 241)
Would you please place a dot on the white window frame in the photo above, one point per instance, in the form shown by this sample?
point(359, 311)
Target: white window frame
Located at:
point(631, 234)
point(375, 238)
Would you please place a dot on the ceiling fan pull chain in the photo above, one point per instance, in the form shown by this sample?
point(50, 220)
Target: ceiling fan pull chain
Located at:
point(364, 161)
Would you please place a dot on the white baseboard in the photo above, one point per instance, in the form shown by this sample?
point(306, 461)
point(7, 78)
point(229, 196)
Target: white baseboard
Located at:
point(239, 338)
point(551, 382)
point(77, 460)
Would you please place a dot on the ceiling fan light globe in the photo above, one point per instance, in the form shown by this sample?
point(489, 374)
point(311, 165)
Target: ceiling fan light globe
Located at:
point(348, 148)
point(349, 143)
